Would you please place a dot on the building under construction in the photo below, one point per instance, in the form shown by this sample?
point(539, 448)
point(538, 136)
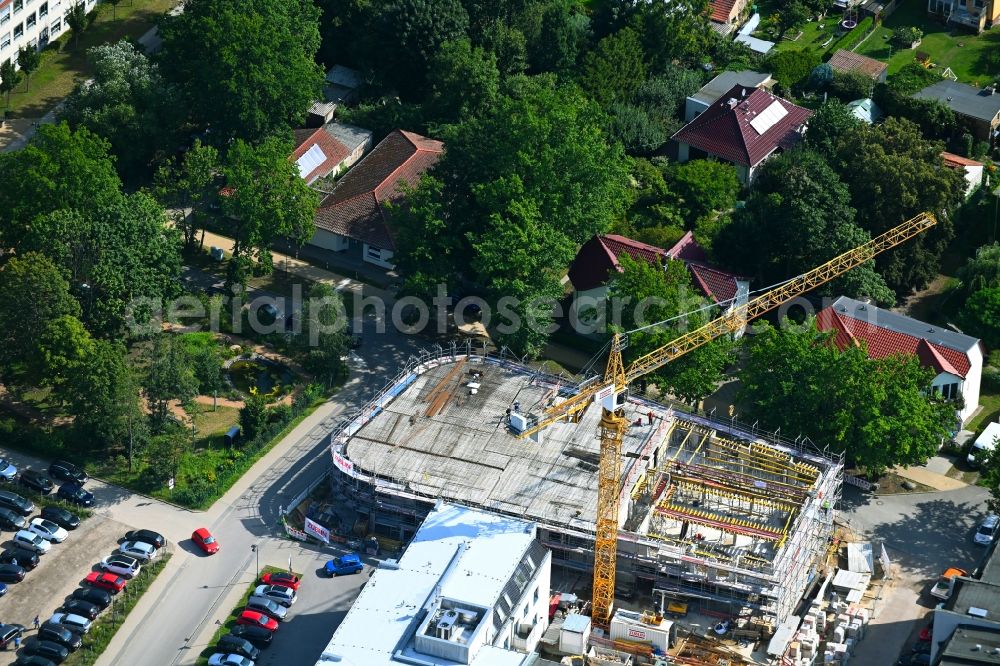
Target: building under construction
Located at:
point(715, 515)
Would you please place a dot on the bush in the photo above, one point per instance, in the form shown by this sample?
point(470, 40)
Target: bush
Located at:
point(906, 36)
point(991, 380)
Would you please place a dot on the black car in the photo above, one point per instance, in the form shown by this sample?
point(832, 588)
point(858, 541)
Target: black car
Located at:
point(60, 470)
point(234, 645)
point(35, 481)
point(8, 632)
point(61, 517)
point(47, 649)
point(23, 558)
point(154, 539)
point(92, 595)
point(259, 636)
point(16, 503)
point(81, 607)
point(12, 520)
point(61, 635)
point(75, 494)
point(33, 660)
point(11, 573)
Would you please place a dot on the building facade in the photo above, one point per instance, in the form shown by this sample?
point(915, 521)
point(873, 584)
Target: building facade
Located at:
point(32, 23)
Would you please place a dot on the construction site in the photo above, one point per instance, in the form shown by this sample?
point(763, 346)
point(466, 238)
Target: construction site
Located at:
point(722, 521)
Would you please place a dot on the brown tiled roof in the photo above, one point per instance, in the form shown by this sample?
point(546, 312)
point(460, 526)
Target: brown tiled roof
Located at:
point(956, 161)
point(848, 61)
point(725, 129)
point(334, 150)
point(719, 10)
point(355, 208)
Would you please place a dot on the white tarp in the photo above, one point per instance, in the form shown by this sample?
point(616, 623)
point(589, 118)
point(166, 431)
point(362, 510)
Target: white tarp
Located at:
point(311, 159)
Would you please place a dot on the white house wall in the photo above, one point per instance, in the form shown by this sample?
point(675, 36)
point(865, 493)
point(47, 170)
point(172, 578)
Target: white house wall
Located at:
point(329, 240)
point(17, 13)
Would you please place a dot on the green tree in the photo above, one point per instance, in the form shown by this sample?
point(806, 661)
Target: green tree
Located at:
point(672, 32)
point(791, 68)
point(878, 411)
point(33, 294)
point(253, 415)
point(791, 16)
point(894, 173)
point(705, 187)
point(464, 81)
point(615, 69)
point(169, 376)
point(76, 19)
point(508, 45)
point(267, 200)
point(28, 59)
point(798, 217)
point(654, 294)
point(981, 316)
point(344, 27)
point(828, 127)
point(187, 185)
point(653, 114)
point(323, 342)
point(62, 347)
point(120, 260)
point(206, 363)
point(127, 102)
point(245, 69)
point(556, 46)
point(406, 35)
point(9, 78)
point(849, 86)
point(164, 456)
point(981, 271)
point(58, 169)
point(989, 473)
point(506, 220)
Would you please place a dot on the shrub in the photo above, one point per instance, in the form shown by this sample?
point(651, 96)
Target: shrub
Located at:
point(906, 36)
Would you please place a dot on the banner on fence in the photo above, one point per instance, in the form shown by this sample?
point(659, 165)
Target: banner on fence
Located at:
point(317, 530)
point(342, 463)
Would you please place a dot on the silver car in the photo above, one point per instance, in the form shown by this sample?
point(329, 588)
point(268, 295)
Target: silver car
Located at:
point(279, 593)
point(122, 565)
point(74, 622)
point(267, 606)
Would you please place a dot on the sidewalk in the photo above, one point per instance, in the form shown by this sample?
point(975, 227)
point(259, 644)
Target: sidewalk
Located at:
point(925, 475)
point(16, 133)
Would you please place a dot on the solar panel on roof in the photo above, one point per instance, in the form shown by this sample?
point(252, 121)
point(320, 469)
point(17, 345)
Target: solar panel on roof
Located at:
point(767, 118)
point(311, 159)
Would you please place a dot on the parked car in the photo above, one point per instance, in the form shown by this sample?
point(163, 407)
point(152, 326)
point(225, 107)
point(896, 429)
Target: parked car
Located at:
point(222, 659)
point(284, 596)
point(59, 634)
point(33, 660)
point(267, 606)
point(23, 558)
point(943, 587)
point(914, 659)
point(72, 622)
point(147, 536)
point(204, 540)
point(123, 565)
point(987, 530)
point(260, 636)
point(7, 470)
point(11, 573)
point(61, 517)
point(345, 564)
point(3, 589)
point(48, 650)
point(8, 632)
point(48, 530)
point(12, 520)
point(140, 550)
point(61, 470)
point(93, 595)
point(75, 494)
point(16, 503)
point(106, 581)
point(230, 644)
point(80, 607)
point(36, 481)
point(282, 578)
point(31, 541)
point(256, 619)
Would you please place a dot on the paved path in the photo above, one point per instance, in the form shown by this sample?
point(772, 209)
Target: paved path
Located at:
point(16, 133)
point(935, 480)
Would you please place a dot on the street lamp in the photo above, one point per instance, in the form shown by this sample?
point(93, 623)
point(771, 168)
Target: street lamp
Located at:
point(256, 553)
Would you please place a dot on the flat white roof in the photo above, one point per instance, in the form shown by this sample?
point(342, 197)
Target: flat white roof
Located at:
point(387, 609)
point(985, 440)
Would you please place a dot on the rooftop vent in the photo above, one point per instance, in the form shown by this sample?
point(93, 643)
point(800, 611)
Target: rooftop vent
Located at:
point(978, 612)
point(731, 102)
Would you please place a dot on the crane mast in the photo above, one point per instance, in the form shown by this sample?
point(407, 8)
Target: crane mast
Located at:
point(617, 377)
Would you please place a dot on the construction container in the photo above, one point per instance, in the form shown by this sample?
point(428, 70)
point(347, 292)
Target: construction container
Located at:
point(575, 634)
point(629, 626)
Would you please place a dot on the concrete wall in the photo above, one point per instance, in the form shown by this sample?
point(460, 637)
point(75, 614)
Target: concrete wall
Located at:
point(329, 240)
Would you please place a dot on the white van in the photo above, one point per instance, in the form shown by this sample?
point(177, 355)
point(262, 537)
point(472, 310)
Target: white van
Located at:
point(985, 442)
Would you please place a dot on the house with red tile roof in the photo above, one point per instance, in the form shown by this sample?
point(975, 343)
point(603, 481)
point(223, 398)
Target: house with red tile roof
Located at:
point(957, 359)
point(353, 214)
point(744, 127)
point(597, 263)
point(726, 14)
point(971, 170)
point(846, 62)
point(328, 150)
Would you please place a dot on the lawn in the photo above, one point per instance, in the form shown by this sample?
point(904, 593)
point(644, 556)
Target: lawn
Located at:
point(989, 413)
point(948, 46)
point(212, 425)
point(63, 63)
point(814, 35)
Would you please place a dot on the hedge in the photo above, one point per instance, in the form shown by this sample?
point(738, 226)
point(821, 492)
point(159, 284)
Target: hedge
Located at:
point(853, 37)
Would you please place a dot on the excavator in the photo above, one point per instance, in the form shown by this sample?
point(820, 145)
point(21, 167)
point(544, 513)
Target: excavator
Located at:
point(617, 377)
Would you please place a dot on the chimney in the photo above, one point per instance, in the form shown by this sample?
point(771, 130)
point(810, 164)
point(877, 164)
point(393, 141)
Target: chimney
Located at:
point(731, 102)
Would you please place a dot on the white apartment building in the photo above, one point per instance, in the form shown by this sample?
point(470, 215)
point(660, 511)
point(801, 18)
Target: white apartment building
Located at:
point(32, 23)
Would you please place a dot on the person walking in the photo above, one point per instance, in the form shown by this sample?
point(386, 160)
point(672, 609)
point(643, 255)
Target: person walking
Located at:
point(36, 623)
point(17, 642)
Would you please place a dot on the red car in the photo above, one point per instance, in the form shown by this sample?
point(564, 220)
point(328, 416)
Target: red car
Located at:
point(255, 619)
point(106, 581)
point(282, 578)
point(204, 540)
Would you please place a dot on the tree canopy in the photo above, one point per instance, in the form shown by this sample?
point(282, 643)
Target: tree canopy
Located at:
point(244, 69)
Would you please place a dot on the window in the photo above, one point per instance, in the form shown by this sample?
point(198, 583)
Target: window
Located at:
point(374, 252)
point(5, 42)
point(535, 596)
point(4, 14)
point(18, 5)
point(524, 611)
point(18, 31)
point(56, 26)
point(30, 23)
point(43, 11)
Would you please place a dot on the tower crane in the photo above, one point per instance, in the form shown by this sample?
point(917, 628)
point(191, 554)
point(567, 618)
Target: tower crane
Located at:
point(617, 377)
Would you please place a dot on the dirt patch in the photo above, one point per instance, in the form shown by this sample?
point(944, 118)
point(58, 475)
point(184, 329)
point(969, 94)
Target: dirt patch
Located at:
point(894, 484)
